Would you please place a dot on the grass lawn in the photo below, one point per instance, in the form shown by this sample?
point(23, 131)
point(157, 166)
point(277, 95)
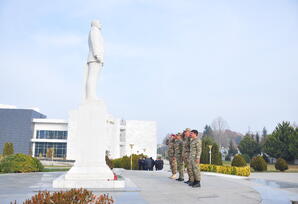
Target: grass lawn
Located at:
point(55, 169)
point(54, 166)
point(270, 167)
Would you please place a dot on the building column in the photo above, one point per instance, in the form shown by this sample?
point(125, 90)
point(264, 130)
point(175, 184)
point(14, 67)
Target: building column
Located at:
point(33, 149)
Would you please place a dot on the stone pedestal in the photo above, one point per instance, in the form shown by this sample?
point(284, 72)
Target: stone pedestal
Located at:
point(87, 145)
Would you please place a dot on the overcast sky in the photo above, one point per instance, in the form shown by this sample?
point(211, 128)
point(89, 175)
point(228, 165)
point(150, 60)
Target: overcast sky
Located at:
point(180, 63)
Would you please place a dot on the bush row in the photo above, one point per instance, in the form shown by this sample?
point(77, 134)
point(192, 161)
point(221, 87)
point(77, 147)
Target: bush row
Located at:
point(20, 163)
point(232, 170)
point(124, 162)
point(71, 196)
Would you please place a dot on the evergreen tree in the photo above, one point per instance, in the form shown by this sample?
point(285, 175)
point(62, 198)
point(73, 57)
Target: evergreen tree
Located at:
point(258, 138)
point(8, 149)
point(264, 137)
point(232, 150)
point(207, 131)
point(216, 157)
point(283, 143)
point(264, 132)
point(248, 146)
point(206, 141)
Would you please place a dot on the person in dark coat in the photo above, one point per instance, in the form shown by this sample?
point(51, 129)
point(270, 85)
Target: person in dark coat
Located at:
point(140, 165)
point(148, 164)
point(158, 164)
point(152, 164)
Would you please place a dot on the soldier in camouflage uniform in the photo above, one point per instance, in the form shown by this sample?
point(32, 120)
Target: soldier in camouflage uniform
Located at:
point(186, 151)
point(194, 157)
point(178, 146)
point(171, 155)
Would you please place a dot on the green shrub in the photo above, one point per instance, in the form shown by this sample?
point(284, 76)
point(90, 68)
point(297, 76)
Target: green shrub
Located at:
point(20, 163)
point(281, 165)
point(38, 164)
point(109, 162)
point(246, 157)
point(238, 160)
point(124, 162)
point(258, 164)
point(70, 196)
point(8, 149)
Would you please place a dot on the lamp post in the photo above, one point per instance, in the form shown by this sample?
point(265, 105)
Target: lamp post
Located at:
point(210, 146)
point(131, 146)
point(144, 150)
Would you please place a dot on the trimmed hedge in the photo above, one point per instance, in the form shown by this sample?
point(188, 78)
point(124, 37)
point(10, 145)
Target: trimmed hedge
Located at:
point(258, 163)
point(238, 161)
point(124, 162)
point(281, 164)
point(232, 170)
point(20, 163)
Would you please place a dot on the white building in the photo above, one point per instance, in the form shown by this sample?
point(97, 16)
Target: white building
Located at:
point(124, 134)
point(49, 133)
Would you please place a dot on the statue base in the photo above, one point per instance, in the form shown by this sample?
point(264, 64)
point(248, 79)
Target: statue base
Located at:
point(61, 182)
point(87, 145)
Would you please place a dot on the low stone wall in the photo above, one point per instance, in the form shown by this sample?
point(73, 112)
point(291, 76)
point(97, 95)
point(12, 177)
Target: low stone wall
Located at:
point(57, 163)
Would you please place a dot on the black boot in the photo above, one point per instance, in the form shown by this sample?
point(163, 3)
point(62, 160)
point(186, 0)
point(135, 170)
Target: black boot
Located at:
point(187, 182)
point(180, 179)
point(196, 184)
point(190, 183)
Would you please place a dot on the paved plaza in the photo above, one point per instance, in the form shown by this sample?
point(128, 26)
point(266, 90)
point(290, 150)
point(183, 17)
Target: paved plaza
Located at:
point(156, 187)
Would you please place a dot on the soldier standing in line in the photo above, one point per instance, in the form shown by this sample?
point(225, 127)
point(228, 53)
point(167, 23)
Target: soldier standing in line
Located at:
point(186, 151)
point(194, 157)
point(171, 155)
point(178, 146)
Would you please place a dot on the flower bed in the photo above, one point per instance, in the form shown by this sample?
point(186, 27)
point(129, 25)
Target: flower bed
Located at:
point(231, 170)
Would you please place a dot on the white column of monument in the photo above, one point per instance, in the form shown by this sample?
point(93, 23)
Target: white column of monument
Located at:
point(88, 128)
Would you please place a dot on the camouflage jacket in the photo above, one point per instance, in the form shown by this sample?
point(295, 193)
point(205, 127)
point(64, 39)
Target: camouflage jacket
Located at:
point(195, 149)
point(171, 150)
point(178, 147)
point(186, 148)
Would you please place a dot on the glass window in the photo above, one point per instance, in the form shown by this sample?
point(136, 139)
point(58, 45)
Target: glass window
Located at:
point(41, 134)
point(42, 147)
point(51, 134)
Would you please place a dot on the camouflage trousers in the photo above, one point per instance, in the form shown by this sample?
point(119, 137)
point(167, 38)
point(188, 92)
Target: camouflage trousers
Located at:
point(195, 169)
point(173, 165)
point(188, 168)
point(180, 167)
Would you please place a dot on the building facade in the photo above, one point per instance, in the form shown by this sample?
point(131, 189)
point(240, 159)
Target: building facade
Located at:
point(49, 133)
point(32, 133)
point(16, 127)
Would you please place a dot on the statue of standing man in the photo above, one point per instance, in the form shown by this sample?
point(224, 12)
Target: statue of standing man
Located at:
point(95, 59)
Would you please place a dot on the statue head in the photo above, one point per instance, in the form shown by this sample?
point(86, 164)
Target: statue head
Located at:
point(96, 23)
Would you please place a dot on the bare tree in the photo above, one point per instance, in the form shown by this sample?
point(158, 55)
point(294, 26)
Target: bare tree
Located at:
point(219, 125)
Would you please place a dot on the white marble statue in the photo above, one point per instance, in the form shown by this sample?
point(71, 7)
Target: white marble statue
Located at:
point(95, 59)
point(87, 129)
